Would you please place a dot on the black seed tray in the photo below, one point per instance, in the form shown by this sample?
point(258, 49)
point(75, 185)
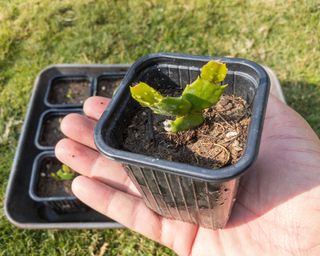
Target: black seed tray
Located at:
point(23, 207)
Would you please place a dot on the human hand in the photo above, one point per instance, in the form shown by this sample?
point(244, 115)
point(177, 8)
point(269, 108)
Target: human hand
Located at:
point(277, 209)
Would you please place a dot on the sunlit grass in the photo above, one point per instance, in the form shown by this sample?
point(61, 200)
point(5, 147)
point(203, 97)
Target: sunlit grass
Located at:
point(284, 35)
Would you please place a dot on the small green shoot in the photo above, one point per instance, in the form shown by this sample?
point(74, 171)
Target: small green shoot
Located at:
point(65, 173)
point(69, 94)
point(203, 93)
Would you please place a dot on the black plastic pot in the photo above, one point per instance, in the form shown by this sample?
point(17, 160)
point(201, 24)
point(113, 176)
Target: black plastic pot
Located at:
point(23, 206)
point(176, 190)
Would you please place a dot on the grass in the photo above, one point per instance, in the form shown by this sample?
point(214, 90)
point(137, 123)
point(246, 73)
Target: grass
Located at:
point(284, 35)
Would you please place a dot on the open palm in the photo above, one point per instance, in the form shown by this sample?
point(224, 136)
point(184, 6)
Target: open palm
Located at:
point(278, 207)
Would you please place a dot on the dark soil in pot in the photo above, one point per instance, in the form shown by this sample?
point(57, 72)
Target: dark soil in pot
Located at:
point(107, 86)
point(69, 91)
point(47, 185)
point(50, 132)
point(218, 142)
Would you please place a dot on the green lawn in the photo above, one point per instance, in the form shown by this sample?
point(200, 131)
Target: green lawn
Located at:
point(284, 35)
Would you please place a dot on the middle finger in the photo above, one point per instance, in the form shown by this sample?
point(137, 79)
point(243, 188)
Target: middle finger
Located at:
point(90, 163)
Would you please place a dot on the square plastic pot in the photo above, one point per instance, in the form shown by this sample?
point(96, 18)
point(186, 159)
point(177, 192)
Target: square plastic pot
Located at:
point(61, 204)
point(177, 190)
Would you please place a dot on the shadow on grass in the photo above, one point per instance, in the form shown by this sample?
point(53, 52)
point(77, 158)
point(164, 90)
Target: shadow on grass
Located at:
point(305, 99)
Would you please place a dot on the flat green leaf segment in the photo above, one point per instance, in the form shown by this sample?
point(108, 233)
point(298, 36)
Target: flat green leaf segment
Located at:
point(149, 97)
point(203, 93)
point(214, 71)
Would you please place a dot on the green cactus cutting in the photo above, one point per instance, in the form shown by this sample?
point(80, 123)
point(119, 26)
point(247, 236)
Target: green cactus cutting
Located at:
point(203, 93)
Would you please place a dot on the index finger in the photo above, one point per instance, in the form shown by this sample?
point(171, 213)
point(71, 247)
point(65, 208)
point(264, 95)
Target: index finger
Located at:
point(94, 106)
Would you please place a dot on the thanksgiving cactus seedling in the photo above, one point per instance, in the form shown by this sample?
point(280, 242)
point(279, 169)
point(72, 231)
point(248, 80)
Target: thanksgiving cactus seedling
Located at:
point(65, 173)
point(203, 93)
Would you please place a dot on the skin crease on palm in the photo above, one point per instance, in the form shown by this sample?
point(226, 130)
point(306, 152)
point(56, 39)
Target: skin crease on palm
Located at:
point(277, 211)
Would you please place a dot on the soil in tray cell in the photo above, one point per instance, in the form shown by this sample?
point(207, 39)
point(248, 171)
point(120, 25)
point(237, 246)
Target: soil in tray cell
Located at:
point(69, 91)
point(49, 186)
point(50, 132)
point(106, 86)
